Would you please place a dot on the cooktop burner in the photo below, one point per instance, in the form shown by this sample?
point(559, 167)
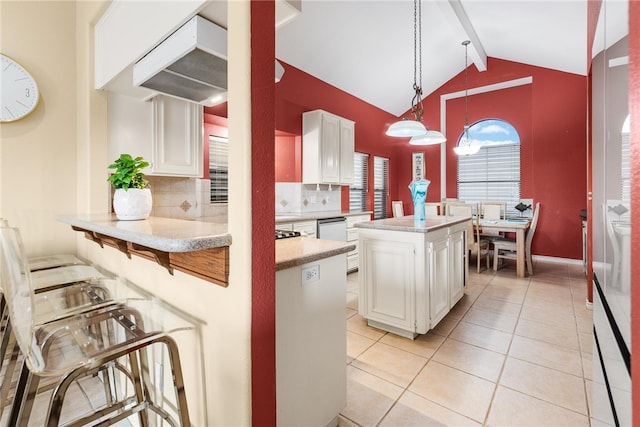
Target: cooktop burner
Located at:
point(284, 234)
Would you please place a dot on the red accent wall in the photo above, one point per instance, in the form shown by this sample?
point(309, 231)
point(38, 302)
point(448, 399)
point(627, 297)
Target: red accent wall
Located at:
point(263, 298)
point(550, 115)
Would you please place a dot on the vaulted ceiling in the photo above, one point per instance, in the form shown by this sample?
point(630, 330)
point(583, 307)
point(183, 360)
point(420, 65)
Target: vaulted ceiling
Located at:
point(365, 47)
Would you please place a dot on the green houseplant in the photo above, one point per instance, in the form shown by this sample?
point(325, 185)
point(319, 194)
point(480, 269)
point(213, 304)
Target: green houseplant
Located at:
point(131, 199)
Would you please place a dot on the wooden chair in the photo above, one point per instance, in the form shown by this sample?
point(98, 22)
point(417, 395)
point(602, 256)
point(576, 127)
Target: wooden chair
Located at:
point(493, 210)
point(460, 209)
point(396, 209)
point(506, 248)
point(476, 245)
point(432, 209)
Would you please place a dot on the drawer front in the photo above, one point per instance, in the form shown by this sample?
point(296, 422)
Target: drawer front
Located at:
point(306, 227)
point(284, 226)
point(352, 262)
point(352, 235)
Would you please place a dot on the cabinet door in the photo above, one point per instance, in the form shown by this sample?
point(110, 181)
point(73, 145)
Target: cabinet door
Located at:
point(330, 149)
point(457, 246)
point(177, 142)
point(347, 146)
point(438, 253)
point(387, 292)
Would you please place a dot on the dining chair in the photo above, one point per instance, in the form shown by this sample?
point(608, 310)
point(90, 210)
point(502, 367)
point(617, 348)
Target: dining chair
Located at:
point(476, 245)
point(432, 209)
point(506, 248)
point(493, 211)
point(397, 209)
point(460, 209)
point(70, 348)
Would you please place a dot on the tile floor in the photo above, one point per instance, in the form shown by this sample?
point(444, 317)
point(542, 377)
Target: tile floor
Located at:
point(512, 352)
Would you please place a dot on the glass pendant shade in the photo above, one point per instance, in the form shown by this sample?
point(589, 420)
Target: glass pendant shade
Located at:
point(429, 138)
point(406, 128)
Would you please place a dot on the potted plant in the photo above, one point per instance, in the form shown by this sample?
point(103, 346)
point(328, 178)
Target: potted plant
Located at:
point(132, 199)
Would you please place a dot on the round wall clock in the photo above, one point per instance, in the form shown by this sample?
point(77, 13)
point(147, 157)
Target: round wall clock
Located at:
point(19, 92)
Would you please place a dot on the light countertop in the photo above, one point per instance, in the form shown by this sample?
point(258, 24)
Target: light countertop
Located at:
point(407, 223)
point(309, 216)
point(301, 250)
point(163, 234)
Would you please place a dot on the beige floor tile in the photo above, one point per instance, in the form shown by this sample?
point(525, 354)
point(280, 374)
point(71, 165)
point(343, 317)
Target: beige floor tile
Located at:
point(368, 397)
point(587, 366)
point(507, 277)
point(356, 345)
point(352, 301)
point(550, 315)
point(351, 312)
point(458, 391)
point(509, 293)
point(413, 410)
point(424, 345)
point(461, 307)
point(513, 409)
point(445, 326)
point(471, 359)
point(545, 354)
point(547, 384)
point(585, 325)
point(485, 302)
point(586, 342)
point(343, 422)
point(390, 363)
point(358, 324)
point(565, 336)
point(481, 336)
point(491, 319)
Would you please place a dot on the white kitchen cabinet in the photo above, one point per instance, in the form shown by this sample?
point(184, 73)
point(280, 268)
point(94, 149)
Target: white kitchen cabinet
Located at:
point(176, 141)
point(327, 148)
point(409, 281)
point(166, 131)
point(352, 237)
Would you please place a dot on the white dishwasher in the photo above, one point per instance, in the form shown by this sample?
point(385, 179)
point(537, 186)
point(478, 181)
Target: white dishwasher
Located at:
point(333, 228)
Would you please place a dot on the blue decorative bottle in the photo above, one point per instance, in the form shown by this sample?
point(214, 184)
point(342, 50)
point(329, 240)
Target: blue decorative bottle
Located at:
point(419, 197)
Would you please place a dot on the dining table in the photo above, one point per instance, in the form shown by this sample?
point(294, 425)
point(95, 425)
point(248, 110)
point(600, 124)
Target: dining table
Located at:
point(519, 226)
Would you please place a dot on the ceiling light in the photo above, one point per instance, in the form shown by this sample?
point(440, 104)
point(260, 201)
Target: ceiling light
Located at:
point(466, 146)
point(429, 138)
point(414, 128)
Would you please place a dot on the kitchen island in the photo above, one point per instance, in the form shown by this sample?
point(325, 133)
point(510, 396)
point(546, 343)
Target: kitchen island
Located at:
point(411, 273)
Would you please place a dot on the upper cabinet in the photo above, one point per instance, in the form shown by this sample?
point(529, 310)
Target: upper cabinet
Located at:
point(327, 148)
point(177, 141)
point(166, 131)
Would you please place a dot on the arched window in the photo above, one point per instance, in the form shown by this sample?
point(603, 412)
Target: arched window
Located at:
point(492, 174)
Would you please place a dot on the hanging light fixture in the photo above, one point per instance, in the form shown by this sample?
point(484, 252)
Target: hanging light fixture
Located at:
point(414, 128)
point(465, 145)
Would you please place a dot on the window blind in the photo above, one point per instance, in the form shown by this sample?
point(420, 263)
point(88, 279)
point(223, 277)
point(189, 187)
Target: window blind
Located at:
point(358, 190)
point(493, 174)
point(380, 187)
point(219, 169)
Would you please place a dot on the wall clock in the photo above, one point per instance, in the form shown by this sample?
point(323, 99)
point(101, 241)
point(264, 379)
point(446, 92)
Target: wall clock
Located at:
point(18, 93)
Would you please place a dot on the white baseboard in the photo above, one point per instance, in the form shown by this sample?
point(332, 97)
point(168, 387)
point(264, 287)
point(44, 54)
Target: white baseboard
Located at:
point(557, 260)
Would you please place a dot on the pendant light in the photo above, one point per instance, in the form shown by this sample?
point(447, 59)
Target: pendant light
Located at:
point(465, 145)
point(414, 128)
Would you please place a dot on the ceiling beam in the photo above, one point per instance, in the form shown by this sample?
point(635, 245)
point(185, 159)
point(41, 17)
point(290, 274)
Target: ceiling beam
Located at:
point(476, 50)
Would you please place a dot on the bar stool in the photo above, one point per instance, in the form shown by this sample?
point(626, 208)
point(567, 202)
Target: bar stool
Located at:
point(80, 345)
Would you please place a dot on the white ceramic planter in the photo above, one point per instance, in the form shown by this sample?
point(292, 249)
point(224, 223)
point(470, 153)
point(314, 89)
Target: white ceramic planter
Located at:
point(132, 204)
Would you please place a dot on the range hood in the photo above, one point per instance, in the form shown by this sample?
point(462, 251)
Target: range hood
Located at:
point(190, 64)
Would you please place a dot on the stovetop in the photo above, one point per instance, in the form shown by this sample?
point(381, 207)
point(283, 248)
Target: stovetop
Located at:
point(284, 234)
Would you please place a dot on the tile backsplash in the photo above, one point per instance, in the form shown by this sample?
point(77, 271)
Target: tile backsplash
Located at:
point(295, 197)
point(184, 198)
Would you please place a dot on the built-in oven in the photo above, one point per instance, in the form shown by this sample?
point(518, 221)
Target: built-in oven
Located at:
point(332, 228)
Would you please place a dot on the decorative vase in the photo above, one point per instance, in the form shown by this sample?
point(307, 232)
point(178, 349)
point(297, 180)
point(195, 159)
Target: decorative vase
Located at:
point(419, 197)
point(132, 204)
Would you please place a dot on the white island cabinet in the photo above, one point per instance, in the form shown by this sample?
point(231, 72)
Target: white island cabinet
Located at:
point(411, 273)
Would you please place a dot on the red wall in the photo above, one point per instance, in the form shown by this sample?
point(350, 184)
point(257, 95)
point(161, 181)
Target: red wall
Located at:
point(550, 115)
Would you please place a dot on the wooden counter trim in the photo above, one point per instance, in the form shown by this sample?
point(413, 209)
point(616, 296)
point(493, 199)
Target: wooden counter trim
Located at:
point(210, 264)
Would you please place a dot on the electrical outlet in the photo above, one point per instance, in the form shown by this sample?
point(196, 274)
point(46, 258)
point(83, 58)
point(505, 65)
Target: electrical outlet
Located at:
point(311, 274)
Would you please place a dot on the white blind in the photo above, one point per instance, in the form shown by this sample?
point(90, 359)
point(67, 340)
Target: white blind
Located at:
point(491, 174)
point(219, 169)
point(380, 187)
point(358, 190)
